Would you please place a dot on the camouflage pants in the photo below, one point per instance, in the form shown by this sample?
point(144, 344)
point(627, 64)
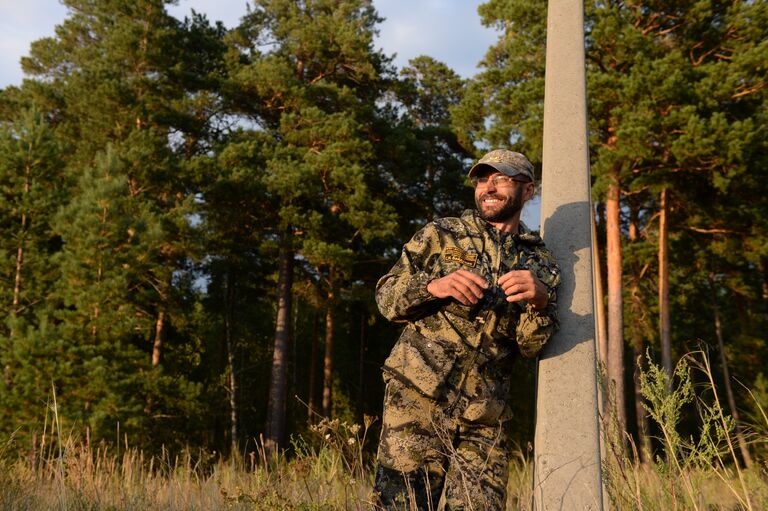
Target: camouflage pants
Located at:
point(425, 453)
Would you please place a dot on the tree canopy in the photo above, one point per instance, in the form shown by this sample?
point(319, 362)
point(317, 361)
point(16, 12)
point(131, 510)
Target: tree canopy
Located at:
point(195, 218)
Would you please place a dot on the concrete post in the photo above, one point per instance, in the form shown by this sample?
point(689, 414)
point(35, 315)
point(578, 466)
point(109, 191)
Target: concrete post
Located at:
point(567, 445)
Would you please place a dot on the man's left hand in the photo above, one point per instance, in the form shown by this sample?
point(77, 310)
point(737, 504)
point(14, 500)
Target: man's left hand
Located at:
point(521, 285)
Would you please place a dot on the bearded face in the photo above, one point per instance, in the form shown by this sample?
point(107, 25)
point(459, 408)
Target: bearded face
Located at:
point(498, 204)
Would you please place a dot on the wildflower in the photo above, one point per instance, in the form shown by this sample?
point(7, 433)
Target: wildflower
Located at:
point(368, 420)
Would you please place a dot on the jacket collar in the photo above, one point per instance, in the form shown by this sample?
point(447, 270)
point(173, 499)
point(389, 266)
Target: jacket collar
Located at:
point(524, 234)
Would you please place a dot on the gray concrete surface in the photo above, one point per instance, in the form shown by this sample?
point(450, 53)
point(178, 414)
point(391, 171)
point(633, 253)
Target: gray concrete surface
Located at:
point(567, 444)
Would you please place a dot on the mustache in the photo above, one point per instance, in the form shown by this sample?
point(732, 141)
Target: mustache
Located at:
point(491, 196)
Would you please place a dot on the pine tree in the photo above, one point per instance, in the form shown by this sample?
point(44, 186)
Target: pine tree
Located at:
point(127, 87)
point(668, 125)
point(32, 190)
point(109, 242)
point(430, 172)
point(28, 154)
point(313, 89)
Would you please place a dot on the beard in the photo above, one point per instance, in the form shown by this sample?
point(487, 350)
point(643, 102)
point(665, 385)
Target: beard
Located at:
point(509, 206)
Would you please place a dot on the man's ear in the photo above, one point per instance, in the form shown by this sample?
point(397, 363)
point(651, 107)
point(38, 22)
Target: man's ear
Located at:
point(530, 190)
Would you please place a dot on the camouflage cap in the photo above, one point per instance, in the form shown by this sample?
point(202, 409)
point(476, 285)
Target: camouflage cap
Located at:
point(506, 162)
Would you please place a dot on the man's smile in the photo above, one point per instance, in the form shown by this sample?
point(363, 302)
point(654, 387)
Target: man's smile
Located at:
point(487, 199)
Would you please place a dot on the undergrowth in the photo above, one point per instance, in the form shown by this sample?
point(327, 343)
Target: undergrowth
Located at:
point(330, 470)
point(694, 472)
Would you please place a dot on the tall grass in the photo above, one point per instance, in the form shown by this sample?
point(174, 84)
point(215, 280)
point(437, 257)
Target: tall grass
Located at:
point(89, 477)
point(696, 472)
point(328, 469)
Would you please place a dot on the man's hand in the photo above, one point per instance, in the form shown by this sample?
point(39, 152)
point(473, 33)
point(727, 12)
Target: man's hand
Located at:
point(523, 285)
point(464, 286)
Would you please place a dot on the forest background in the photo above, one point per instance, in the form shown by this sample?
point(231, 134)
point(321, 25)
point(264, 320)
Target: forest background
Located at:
point(195, 217)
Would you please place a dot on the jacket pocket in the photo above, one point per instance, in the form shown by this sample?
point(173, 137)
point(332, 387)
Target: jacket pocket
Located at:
point(421, 363)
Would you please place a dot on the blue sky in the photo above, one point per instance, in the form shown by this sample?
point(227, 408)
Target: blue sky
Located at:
point(448, 30)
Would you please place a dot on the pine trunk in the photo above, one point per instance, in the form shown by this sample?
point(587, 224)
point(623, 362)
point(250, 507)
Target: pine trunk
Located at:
point(278, 383)
point(312, 405)
point(638, 349)
point(20, 252)
point(602, 329)
point(664, 318)
point(764, 274)
point(19, 262)
point(615, 301)
point(229, 303)
point(328, 359)
point(727, 380)
point(641, 415)
point(157, 345)
point(361, 366)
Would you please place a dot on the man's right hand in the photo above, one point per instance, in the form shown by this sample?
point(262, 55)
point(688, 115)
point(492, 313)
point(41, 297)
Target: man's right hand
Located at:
point(462, 285)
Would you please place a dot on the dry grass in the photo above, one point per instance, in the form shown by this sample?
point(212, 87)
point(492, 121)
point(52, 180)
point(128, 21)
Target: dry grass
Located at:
point(88, 479)
point(84, 479)
point(330, 472)
point(100, 480)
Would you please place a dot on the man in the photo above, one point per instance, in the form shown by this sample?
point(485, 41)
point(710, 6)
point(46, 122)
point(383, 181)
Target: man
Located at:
point(474, 292)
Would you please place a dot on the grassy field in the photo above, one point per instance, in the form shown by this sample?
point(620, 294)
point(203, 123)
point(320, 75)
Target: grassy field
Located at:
point(329, 470)
point(84, 479)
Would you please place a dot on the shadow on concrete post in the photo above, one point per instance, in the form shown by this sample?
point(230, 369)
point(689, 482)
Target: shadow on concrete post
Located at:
point(570, 252)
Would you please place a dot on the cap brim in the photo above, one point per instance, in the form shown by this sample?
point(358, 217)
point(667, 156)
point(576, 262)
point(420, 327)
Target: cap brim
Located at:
point(498, 166)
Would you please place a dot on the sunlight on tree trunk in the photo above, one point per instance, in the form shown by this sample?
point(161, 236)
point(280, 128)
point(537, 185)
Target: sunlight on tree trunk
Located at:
point(615, 300)
point(157, 345)
point(664, 319)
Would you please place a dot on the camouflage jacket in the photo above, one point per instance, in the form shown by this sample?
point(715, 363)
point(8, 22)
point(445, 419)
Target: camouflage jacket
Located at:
point(456, 354)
